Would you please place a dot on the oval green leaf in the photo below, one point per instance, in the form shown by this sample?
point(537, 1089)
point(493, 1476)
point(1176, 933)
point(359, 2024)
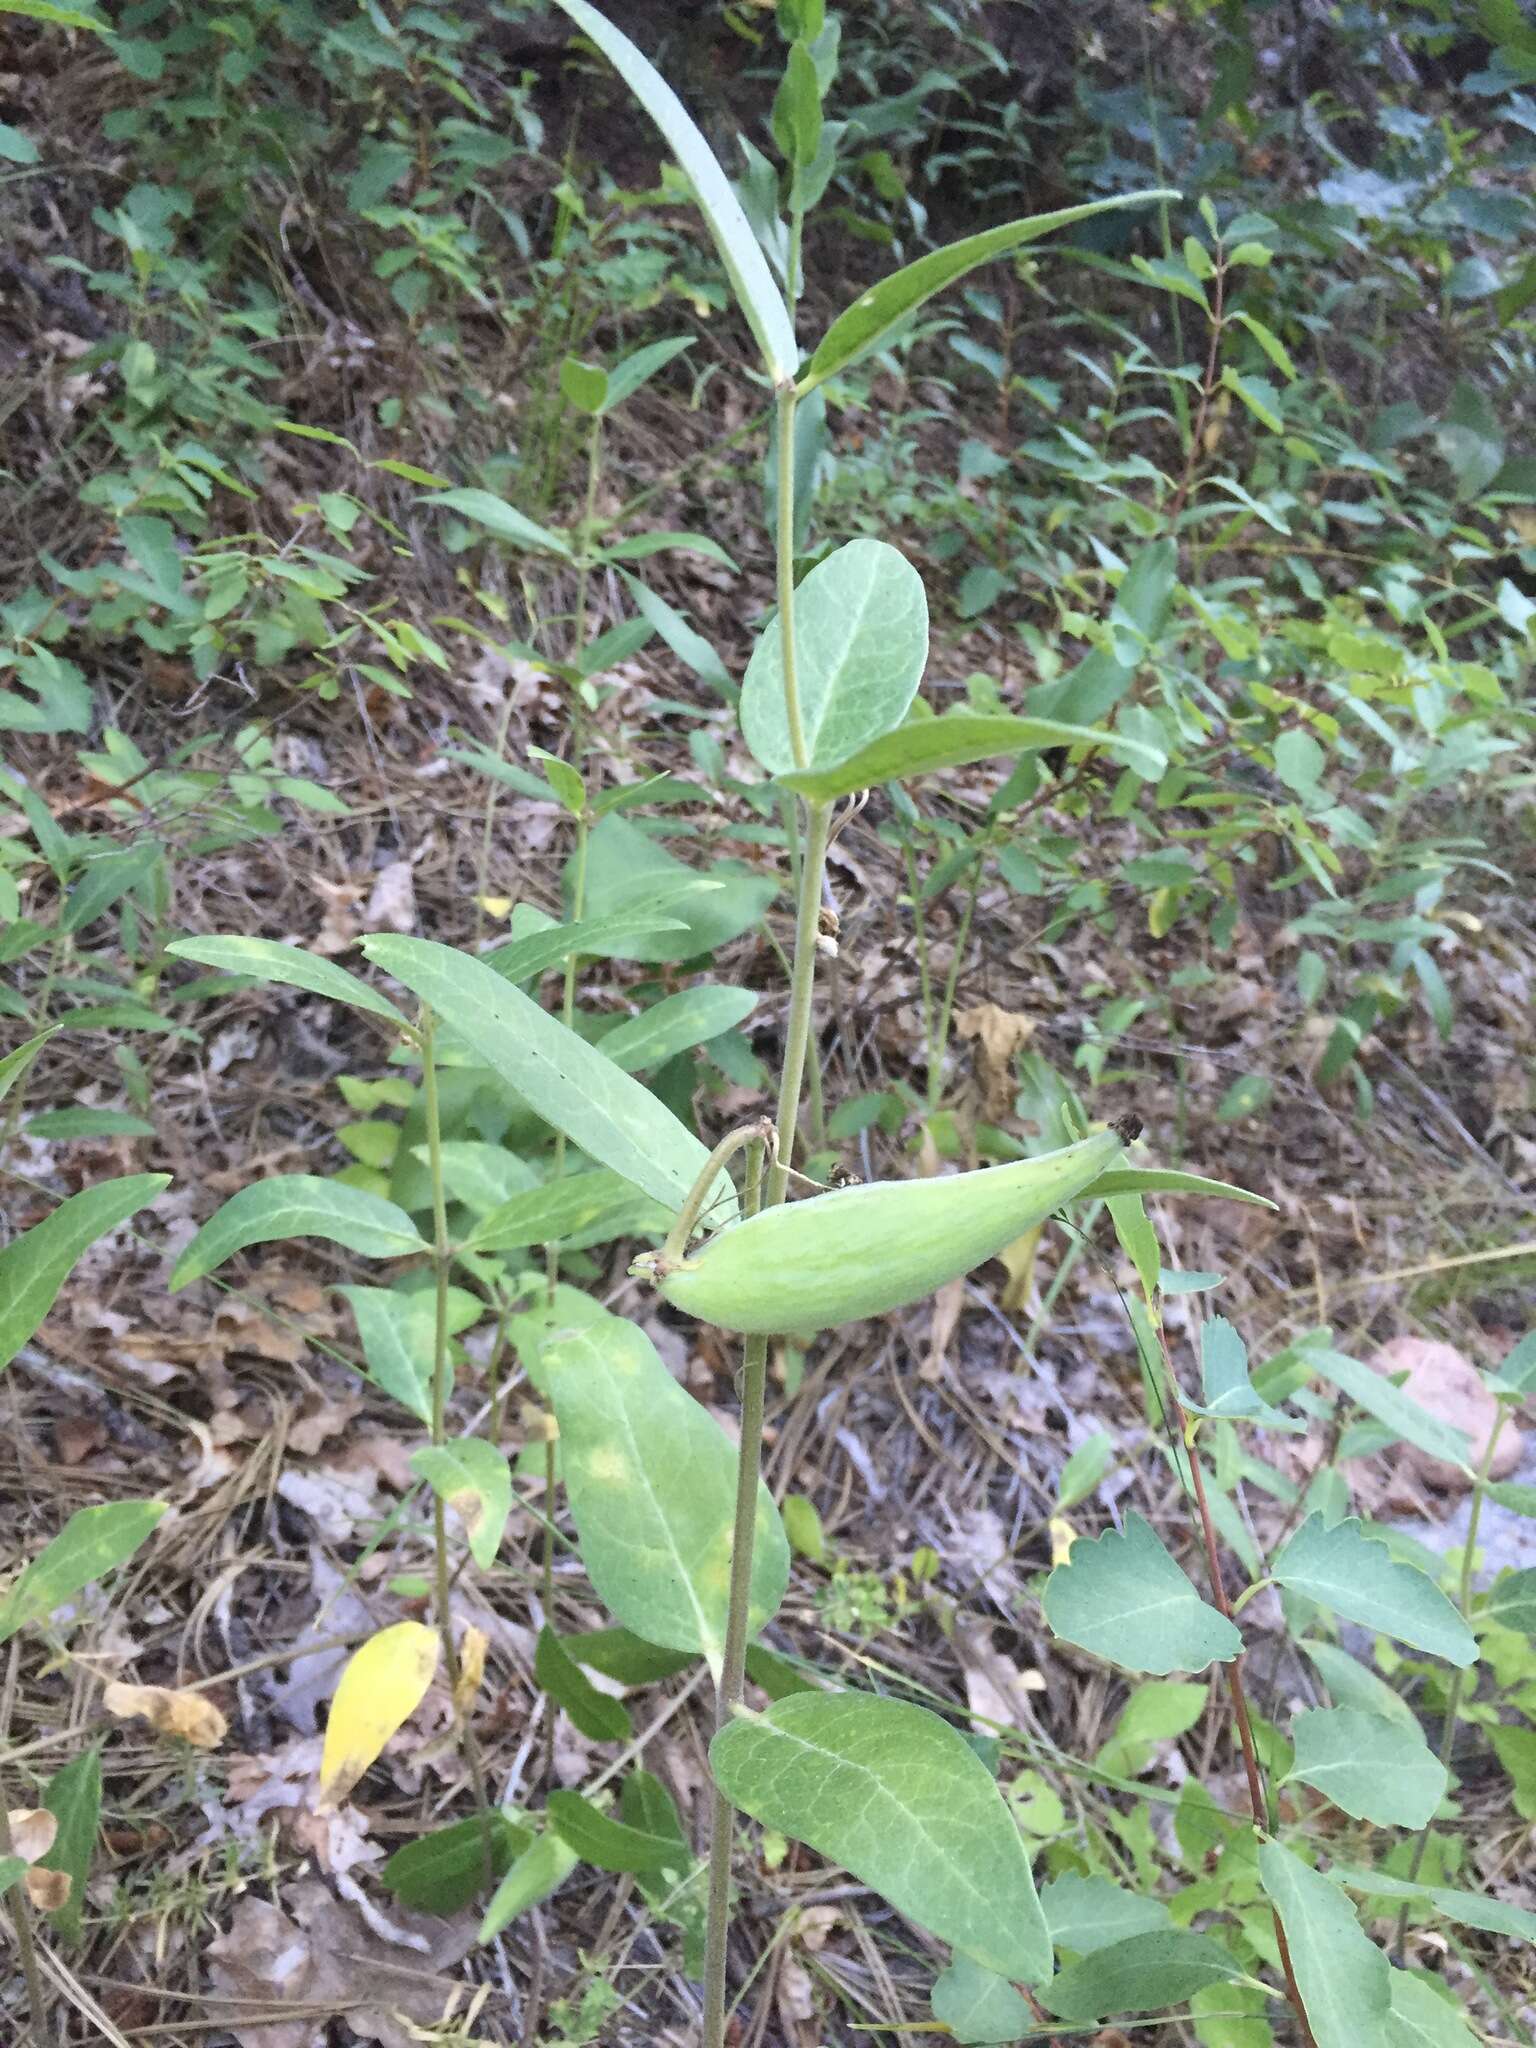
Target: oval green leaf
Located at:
point(299, 1205)
point(651, 1479)
point(1370, 1767)
point(977, 2005)
point(91, 1543)
point(503, 521)
point(612, 1845)
point(1122, 1596)
point(1344, 1569)
point(861, 641)
point(473, 1478)
point(1342, 1976)
point(897, 1797)
point(595, 1714)
point(1141, 1974)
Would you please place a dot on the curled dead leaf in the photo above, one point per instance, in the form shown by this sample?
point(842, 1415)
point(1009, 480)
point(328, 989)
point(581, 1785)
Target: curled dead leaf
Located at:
point(48, 1889)
point(33, 1830)
point(472, 1650)
point(189, 1716)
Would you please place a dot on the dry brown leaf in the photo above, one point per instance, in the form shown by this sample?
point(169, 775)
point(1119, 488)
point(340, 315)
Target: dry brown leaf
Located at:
point(48, 1889)
point(1446, 1383)
point(393, 902)
point(33, 1830)
point(947, 1304)
point(996, 1689)
point(999, 1034)
point(190, 1716)
point(1019, 1258)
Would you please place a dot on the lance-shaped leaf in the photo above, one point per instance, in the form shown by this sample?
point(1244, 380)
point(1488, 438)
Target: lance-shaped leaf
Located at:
point(74, 1799)
point(751, 280)
point(861, 640)
point(16, 1063)
point(1122, 1596)
point(597, 1715)
point(299, 1205)
point(871, 317)
point(93, 1542)
point(609, 1114)
point(502, 520)
point(1344, 1569)
point(1160, 1180)
point(651, 1479)
point(443, 1871)
point(612, 1844)
point(539, 1871)
point(1375, 1393)
point(1230, 1396)
point(928, 744)
point(271, 960)
point(1342, 1975)
point(895, 1795)
point(34, 1266)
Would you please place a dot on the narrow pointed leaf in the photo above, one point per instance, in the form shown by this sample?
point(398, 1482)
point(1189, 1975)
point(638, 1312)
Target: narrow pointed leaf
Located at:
point(1158, 1180)
point(609, 1114)
point(598, 1838)
point(271, 960)
point(299, 1205)
point(896, 1796)
point(870, 318)
point(538, 1872)
point(1122, 1596)
point(751, 280)
point(500, 519)
point(16, 1063)
point(444, 1871)
point(1344, 1569)
point(93, 1542)
point(652, 1484)
point(597, 1715)
point(34, 1266)
point(74, 1799)
point(928, 744)
point(1375, 1393)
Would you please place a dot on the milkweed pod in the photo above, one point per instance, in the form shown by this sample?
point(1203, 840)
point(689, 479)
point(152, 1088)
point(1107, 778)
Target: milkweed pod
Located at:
point(863, 1250)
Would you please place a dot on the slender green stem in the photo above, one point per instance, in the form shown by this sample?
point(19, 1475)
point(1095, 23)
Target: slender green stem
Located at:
point(793, 266)
point(924, 971)
point(26, 1946)
point(442, 1268)
point(567, 1018)
point(812, 864)
point(1458, 1682)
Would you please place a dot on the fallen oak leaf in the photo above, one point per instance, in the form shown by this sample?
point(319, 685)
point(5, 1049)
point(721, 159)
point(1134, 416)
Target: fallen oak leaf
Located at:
point(187, 1716)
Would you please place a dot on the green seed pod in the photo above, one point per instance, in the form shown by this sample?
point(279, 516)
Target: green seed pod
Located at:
point(860, 1251)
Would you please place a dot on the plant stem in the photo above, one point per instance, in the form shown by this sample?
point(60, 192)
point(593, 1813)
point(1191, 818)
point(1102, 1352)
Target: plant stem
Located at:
point(1458, 1676)
point(1236, 1691)
point(21, 1920)
point(442, 1267)
point(811, 867)
point(952, 979)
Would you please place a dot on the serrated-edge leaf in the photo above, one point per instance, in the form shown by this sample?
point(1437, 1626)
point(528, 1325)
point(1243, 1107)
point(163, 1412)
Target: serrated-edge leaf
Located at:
point(1368, 1766)
point(1342, 1568)
point(1128, 1578)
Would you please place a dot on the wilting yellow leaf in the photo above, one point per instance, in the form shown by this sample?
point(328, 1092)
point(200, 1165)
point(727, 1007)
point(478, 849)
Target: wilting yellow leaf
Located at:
point(1019, 1258)
point(187, 1715)
point(48, 1889)
point(1063, 1536)
point(471, 1669)
point(32, 1831)
point(495, 906)
point(383, 1685)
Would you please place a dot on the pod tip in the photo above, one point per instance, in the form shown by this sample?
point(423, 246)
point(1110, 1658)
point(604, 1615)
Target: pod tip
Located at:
point(1127, 1129)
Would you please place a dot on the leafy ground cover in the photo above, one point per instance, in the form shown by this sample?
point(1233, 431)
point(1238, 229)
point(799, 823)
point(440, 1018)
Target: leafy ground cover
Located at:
point(391, 493)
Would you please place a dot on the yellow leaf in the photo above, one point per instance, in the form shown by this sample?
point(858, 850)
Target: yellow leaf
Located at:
point(471, 1669)
point(495, 906)
point(1019, 1258)
point(1063, 1536)
point(383, 1685)
point(185, 1714)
